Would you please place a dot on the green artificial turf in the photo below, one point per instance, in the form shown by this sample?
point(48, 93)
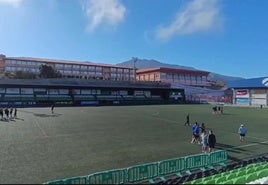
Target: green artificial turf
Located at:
point(39, 147)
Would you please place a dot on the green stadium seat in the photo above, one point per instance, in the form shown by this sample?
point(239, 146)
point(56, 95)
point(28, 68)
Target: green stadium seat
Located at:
point(216, 176)
point(228, 182)
point(262, 173)
point(249, 166)
point(212, 181)
point(260, 164)
point(220, 180)
point(226, 173)
point(199, 181)
point(241, 173)
point(251, 177)
point(207, 178)
point(231, 176)
point(244, 168)
point(235, 170)
point(250, 171)
point(265, 165)
point(259, 168)
point(240, 180)
point(254, 165)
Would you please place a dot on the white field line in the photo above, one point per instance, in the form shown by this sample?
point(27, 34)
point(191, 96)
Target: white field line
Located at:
point(40, 128)
point(252, 144)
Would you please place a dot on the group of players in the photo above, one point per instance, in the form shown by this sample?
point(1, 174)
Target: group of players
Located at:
point(201, 136)
point(8, 113)
point(217, 110)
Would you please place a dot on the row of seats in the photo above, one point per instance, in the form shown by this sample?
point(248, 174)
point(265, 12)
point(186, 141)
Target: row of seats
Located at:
point(242, 175)
point(200, 175)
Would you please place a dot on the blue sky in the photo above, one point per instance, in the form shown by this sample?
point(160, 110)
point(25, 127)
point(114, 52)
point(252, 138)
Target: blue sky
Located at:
point(223, 36)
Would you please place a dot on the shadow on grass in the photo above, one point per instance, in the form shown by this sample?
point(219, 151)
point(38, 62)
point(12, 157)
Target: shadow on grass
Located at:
point(230, 148)
point(46, 115)
point(42, 115)
point(10, 120)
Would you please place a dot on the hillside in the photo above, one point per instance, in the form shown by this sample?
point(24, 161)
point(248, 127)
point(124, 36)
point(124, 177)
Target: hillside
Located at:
point(145, 63)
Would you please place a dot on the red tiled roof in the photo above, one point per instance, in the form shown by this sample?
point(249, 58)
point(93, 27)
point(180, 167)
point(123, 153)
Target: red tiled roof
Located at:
point(172, 70)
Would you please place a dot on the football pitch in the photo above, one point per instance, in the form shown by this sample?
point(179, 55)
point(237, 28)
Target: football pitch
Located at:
point(74, 141)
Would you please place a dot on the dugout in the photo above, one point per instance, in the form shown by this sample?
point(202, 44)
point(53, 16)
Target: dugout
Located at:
point(248, 92)
point(43, 92)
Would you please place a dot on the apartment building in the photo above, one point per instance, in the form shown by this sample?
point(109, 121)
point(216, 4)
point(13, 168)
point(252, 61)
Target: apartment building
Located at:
point(68, 69)
point(174, 76)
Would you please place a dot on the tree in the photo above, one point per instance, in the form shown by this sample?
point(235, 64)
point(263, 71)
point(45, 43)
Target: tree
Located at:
point(8, 75)
point(24, 75)
point(48, 72)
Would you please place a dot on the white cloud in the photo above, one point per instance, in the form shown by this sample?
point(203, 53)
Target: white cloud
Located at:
point(195, 16)
point(14, 3)
point(98, 12)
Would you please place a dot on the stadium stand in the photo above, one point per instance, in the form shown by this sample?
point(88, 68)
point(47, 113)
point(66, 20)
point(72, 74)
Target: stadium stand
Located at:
point(204, 95)
point(43, 92)
point(71, 91)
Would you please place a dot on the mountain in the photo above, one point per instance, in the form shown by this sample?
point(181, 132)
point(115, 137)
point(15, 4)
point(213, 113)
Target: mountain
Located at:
point(145, 63)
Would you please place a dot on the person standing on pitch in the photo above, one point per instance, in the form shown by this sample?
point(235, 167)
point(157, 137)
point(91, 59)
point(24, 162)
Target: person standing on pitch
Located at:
point(211, 141)
point(242, 132)
point(10, 112)
point(52, 108)
point(7, 113)
point(1, 113)
point(187, 120)
point(15, 113)
point(204, 137)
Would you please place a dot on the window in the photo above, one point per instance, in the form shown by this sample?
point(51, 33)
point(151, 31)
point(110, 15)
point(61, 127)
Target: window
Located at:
point(76, 72)
point(91, 73)
point(76, 66)
point(67, 66)
point(91, 68)
point(84, 67)
point(126, 71)
point(59, 65)
point(169, 76)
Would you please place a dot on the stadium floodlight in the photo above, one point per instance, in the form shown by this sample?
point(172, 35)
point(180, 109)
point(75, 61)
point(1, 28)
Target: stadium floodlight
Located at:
point(134, 59)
